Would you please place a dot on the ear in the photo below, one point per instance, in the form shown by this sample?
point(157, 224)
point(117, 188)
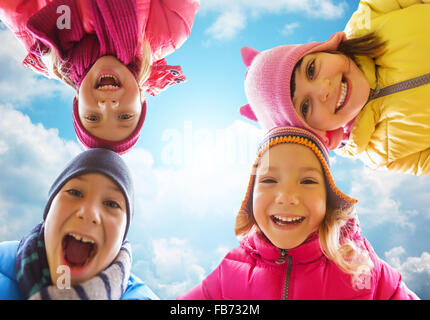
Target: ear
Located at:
point(247, 112)
point(248, 55)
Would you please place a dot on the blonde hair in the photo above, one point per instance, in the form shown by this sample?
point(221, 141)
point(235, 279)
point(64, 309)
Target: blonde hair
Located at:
point(345, 253)
point(58, 69)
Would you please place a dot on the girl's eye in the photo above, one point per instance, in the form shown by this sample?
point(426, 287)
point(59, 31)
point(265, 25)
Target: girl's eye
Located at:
point(309, 181)
point(75, 193)
point(92, 118)
point(305, 108)
point(125, 116)
point(112, 204)
point(267, 180)
point(311, 70)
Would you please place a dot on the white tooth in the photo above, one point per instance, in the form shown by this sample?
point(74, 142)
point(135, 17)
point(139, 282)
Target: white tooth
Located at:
point(87, 240)
point(342, 97)
point(77, 237)
point(289, 219)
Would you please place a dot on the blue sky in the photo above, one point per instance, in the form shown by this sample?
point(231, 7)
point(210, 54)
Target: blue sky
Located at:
point(191, 165)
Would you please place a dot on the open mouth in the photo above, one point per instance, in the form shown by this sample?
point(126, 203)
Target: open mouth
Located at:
point(343, 95)
point(108, 82)
point(78, 251)
point(284, 221)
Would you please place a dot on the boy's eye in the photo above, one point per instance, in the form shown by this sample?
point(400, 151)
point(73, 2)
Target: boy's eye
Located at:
point(92, 118)
point(125, 116)
point(311, 70)
point(112, 204)
point(75, 193)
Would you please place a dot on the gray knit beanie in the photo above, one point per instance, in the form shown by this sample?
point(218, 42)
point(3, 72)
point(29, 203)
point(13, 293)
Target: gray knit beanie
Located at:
point(102, 161)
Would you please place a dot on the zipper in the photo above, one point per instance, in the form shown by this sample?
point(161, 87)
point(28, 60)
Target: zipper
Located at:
point(281, 260)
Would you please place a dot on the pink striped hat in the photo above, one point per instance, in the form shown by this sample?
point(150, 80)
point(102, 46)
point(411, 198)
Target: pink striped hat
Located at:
point(267, 86)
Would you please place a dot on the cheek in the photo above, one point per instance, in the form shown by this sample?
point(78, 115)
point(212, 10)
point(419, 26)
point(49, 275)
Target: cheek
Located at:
point(260, 204)
point(318, 208)
point(114, 229)
point(113, 236)
point(132, 101)
point(86, 99)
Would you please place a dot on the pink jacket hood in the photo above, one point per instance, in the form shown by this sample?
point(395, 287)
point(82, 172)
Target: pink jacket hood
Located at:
point(166, 23)
point(256, 270)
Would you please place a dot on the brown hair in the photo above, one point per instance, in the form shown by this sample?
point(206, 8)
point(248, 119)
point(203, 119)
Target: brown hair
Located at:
point(369, 45)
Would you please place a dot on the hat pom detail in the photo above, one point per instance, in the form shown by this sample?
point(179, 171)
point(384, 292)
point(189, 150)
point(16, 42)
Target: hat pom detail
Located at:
point(248, 55)
point(247, 112)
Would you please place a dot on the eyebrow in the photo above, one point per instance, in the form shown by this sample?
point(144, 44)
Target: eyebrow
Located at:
point(126, 126)
point(303, 169)
point(299, 65)
point(313, 169)
point(115, 188)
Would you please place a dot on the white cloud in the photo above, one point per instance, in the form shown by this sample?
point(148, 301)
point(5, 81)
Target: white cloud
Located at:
point(170, 267)
point(227, 25)
point(415, 271)
point(289, 28)
point(31, 157)
point(19, 84)
point(233, 15)
point(381, 196)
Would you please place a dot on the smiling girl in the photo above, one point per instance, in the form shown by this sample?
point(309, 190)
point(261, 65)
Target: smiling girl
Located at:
point(79, 250)
point(111, 52)
point(364, 91)
point(300, 237)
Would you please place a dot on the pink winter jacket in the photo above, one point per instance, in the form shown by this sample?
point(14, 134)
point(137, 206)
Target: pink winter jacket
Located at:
point(257, 270)
point(165, 23)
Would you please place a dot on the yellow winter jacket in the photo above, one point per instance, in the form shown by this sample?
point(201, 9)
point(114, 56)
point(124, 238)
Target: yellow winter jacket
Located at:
point(393, 132)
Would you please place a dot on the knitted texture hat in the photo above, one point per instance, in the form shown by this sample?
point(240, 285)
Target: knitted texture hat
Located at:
point(267, 85)
point(102, 161)
point(282, 135)
point(90, 141)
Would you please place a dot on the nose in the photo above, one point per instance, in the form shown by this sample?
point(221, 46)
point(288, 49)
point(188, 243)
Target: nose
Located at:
point(113, 103)
point(323, 90)
point(287, 195)
point(89, 213)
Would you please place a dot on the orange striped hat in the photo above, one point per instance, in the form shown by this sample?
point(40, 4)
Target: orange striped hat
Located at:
point(306, 138)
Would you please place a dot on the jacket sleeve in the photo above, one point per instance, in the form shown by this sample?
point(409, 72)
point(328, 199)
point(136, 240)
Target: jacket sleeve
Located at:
point(387, 281)
point(360, 22)
point(169, 24)
point(417, 163)
point(138, 290)
point(15, 13)
point(208, 289)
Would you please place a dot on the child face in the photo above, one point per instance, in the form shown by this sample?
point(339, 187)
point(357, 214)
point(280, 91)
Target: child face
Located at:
point(330, 90)
point(289, 200)
point(109, 100)
point(90, 207)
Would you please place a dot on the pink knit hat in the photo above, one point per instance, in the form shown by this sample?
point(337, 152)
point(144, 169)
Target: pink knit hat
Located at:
point(90, 141)
point(267, 86)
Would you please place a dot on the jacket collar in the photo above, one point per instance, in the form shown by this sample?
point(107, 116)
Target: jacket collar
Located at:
point(259, 246)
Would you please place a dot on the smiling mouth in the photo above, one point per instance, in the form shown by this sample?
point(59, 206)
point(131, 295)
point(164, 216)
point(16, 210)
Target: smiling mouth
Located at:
point(283, 221)
point(343, 95)
point(108, 82)
point(78, 251)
